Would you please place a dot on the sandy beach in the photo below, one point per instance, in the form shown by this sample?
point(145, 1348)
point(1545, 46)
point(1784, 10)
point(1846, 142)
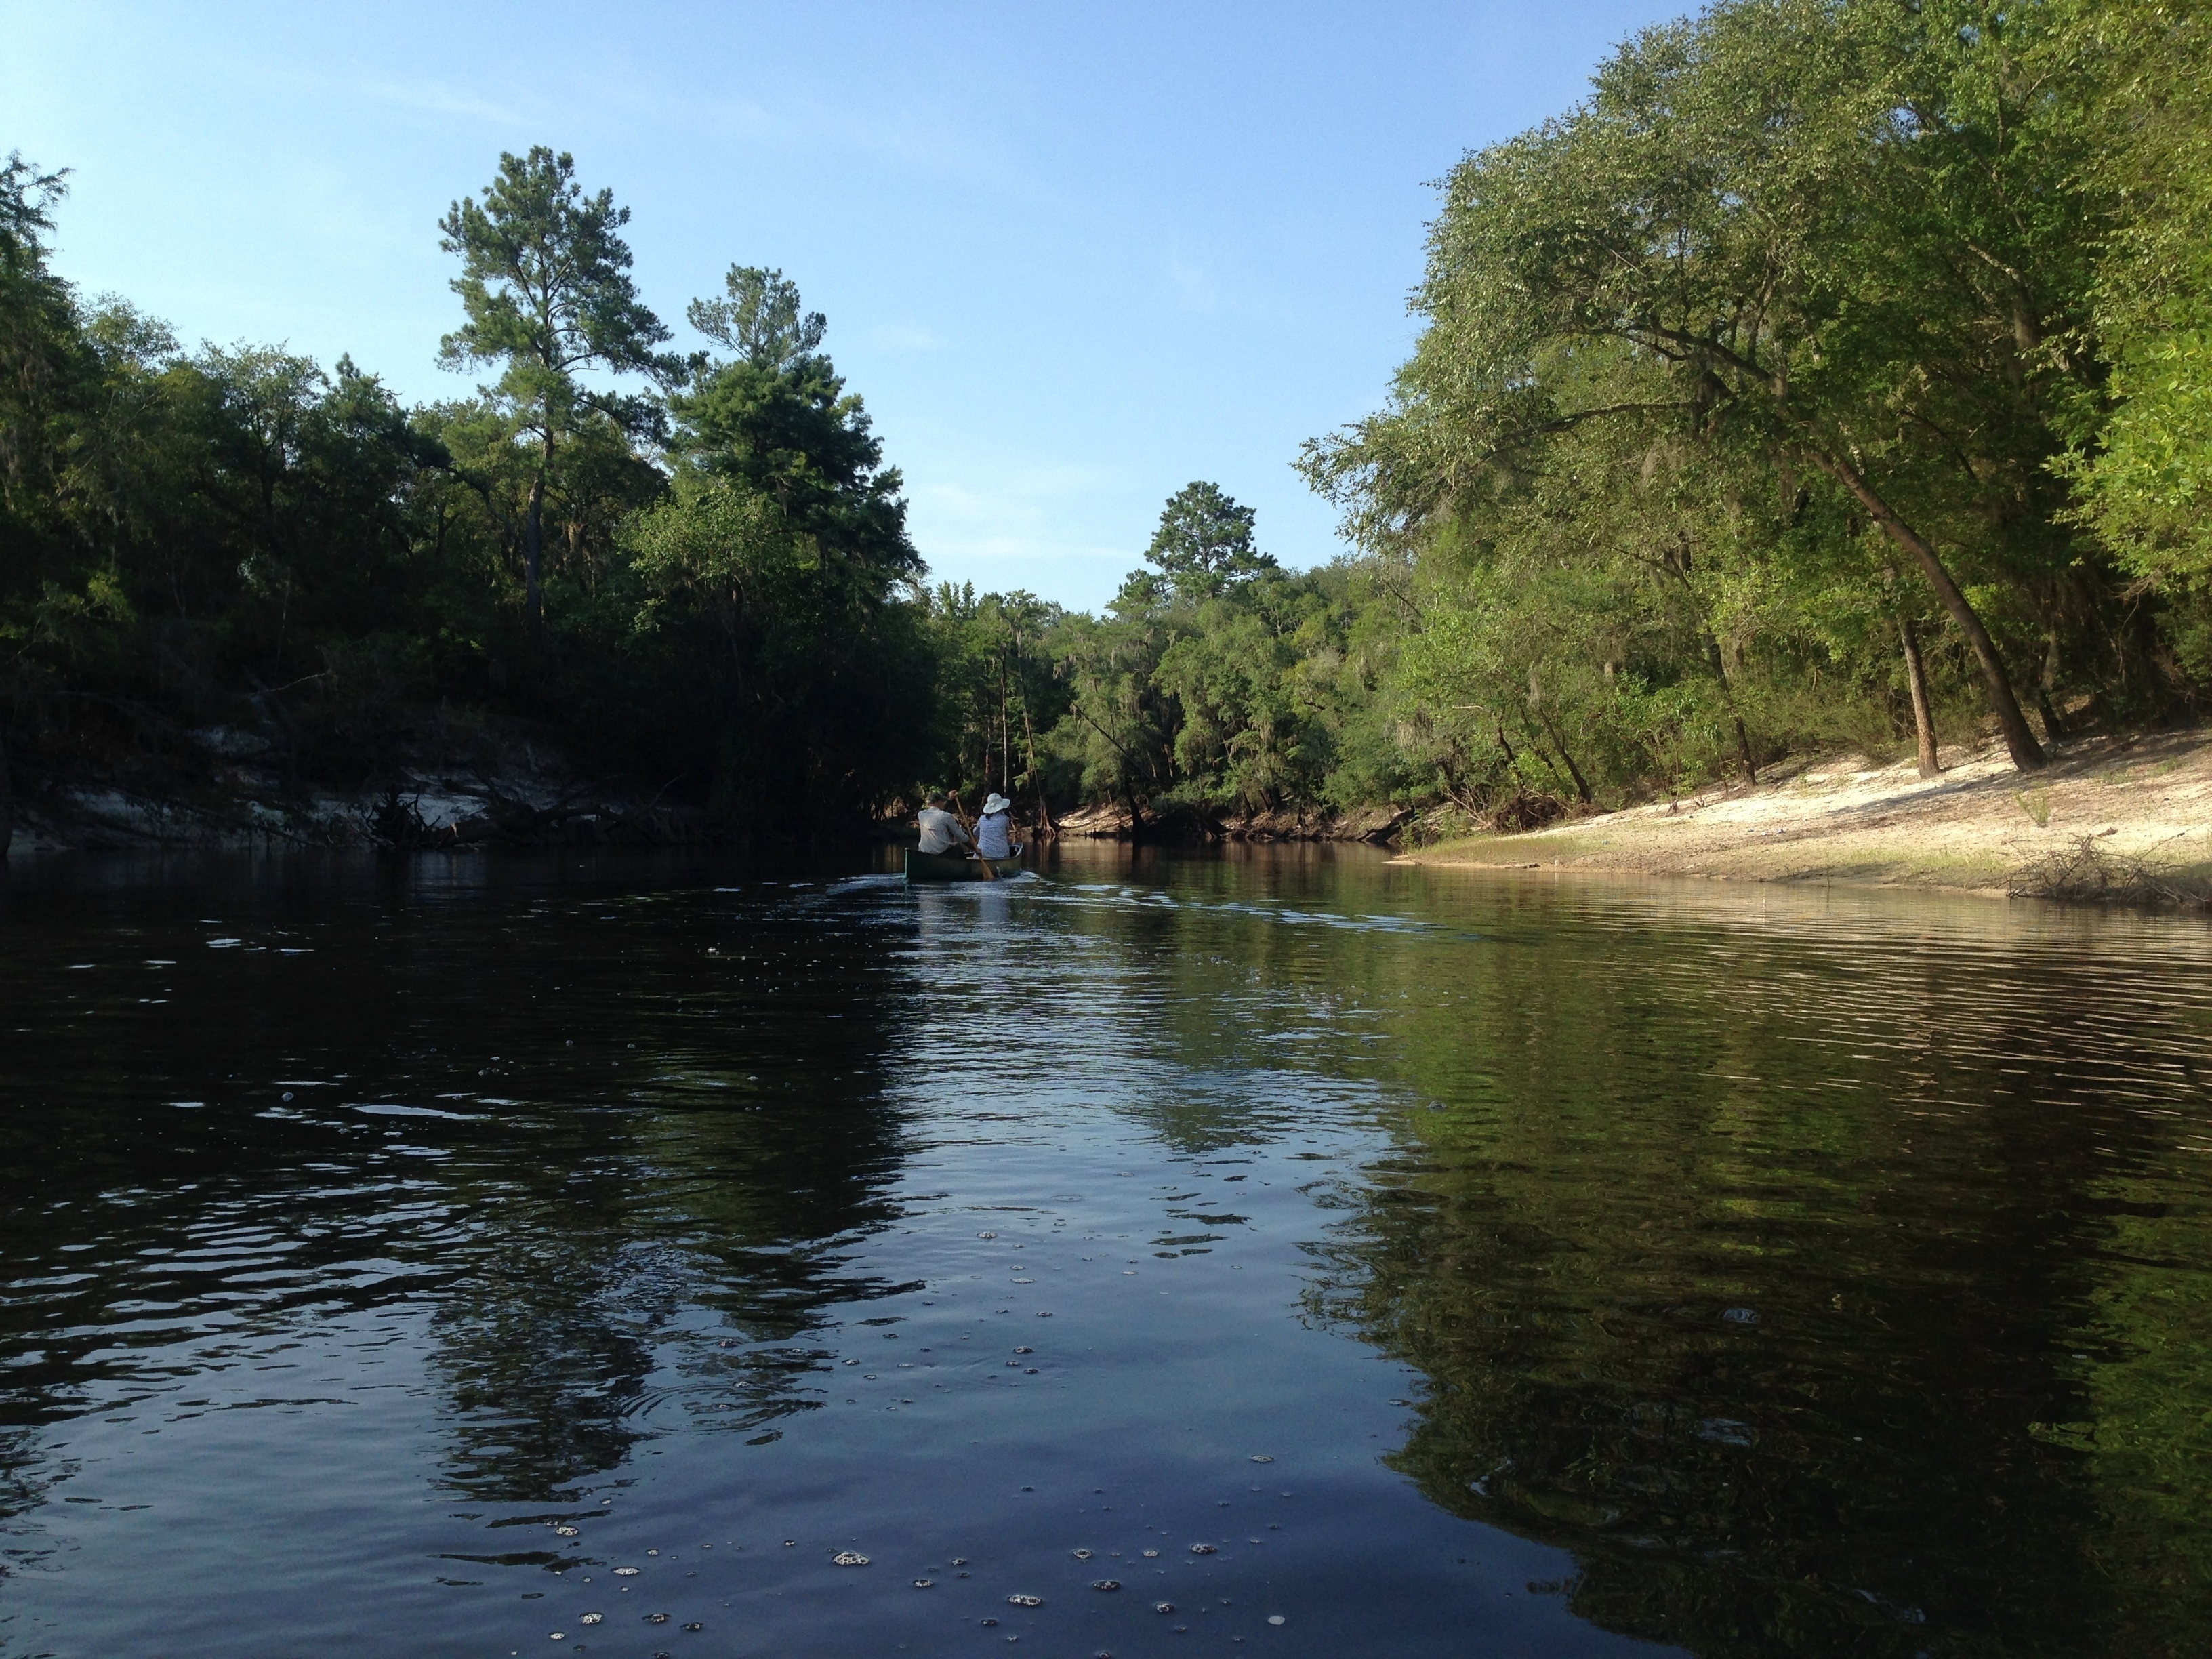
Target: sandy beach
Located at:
point(2118, 817)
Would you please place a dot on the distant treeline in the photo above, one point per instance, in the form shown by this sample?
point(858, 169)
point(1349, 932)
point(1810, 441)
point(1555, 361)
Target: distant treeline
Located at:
point(1834, 374)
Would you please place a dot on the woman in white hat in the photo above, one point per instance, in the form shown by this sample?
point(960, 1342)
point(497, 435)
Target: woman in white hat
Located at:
point(995, 829)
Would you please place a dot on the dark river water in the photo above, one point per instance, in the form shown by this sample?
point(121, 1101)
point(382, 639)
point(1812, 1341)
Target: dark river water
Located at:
point(1280, 1253)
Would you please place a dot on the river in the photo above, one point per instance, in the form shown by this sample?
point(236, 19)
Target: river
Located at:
point(1268, 1252)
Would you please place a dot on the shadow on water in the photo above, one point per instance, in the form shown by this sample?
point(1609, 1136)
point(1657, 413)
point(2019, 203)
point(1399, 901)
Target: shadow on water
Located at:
point(587, 1138)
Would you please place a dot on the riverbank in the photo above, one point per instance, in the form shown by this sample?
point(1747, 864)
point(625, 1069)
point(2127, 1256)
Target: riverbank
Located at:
point(2124, 818)
point(1110, 821)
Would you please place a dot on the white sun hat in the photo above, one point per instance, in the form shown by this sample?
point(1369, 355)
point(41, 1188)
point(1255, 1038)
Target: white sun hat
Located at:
point(997, 803)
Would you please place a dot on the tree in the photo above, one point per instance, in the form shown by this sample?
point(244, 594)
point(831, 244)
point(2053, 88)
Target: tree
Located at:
point(784, 541)
point(1205, 542)
point(1839, 236)
point(761, 320)
point(545, 288)
point(37, 338)
point(2142, 470)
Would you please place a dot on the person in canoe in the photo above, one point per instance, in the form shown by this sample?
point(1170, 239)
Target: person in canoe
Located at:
point(995, 829)
point(941, 832)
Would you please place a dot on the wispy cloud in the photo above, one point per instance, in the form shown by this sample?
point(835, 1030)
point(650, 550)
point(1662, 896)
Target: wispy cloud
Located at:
point(1194, 284)
point(906, 336)
point(436, 100)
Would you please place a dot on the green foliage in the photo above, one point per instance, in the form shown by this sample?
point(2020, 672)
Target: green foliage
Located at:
point(546, 293)
point(1823, 339)
point(235, 537)
point(1786, 340)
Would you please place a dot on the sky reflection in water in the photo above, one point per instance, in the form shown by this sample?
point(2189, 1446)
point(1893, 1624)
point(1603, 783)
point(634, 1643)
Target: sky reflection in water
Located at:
point(1771, 1271)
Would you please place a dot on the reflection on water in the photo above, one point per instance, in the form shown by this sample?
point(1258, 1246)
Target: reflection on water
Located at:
point(393, 1253)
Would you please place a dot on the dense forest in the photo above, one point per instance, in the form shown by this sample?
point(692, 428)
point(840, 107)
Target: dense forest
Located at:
point(1833, 375)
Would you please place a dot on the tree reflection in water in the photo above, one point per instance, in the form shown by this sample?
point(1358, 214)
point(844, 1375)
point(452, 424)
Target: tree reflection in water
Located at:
point(1759, 1274)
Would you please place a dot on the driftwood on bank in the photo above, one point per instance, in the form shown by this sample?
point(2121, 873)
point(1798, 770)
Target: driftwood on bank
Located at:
point(1185, 825)
point(2086, 874)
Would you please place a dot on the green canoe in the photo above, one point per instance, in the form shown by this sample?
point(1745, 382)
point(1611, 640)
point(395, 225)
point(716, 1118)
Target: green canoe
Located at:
point(951, 866)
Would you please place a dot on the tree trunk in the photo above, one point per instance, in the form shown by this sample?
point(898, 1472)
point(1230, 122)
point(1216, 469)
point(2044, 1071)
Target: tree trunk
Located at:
point(1582, 785)
point(1037, 781)
point(1681, 566)
point(2053, 727)
point(534, 557)
point(2019, 740)
point(1915, 676)
point(1727, 695)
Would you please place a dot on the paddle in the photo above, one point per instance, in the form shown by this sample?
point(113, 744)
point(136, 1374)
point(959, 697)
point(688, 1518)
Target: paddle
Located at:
point(989, 874)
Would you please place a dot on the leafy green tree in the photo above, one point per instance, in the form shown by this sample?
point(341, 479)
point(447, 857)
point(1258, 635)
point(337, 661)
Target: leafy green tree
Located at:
point(760, 319)
point(546, 292)
point(2143, 470)
point(784, 542)
point(1839, 234)
point(1204, 543)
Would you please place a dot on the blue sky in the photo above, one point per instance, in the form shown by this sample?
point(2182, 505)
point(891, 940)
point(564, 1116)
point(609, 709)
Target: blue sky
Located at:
point(1073, 256)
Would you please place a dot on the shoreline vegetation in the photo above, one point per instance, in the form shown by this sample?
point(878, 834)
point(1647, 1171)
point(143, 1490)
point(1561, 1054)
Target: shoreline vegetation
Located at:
point(1830, 380)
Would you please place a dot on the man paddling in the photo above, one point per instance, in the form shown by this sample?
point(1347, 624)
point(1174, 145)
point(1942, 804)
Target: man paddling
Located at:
point(940, 831)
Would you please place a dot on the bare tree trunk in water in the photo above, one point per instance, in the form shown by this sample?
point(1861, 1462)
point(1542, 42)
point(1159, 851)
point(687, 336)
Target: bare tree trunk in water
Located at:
point(2020, 741)
point(1915, 676)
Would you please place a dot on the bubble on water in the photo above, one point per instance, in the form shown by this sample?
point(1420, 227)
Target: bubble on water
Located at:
point(1032, 1371)
point(1025, 1601)
point(848, 1559)
point(988, 1623)
point(1261, 1457)
point(652, 1552)
point(1025, 1350)
point(556, 1635)
point(1152, 1555)
point(626, 1572)
point(1106, 1583)
point(1044, 1312)
point(568, 1532)
point(959, 1560)
point(1163, 1607)
point(789, 1542)
point(1201, 1549)
point(987, 1235)
point(923, 1583)
point(593, 1619)
point(1274, 1618)
point(694, 1625)
point(1741, 1315)
point(1082, 1555)
point(656, 1618)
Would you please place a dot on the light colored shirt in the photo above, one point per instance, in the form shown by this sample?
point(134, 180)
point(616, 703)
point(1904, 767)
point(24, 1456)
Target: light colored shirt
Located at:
point(993, 835)
point(940, 831)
